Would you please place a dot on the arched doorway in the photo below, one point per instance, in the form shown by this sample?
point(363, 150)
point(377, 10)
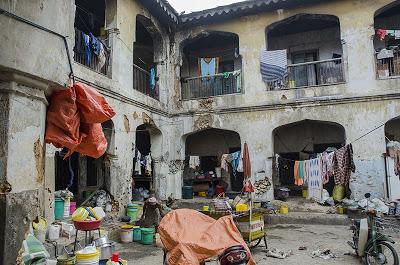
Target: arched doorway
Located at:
point(392, 135)
point(206, 148)
point(314, 49)
point(83, 175)
point(148, 148)
point(303, 140)
point(386, 43)
point(214, 54)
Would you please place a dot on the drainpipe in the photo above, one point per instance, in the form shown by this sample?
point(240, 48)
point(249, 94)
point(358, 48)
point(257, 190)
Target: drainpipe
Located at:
point(23, 20)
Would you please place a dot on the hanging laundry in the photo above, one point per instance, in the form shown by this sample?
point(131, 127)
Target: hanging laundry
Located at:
point(343, 165)
point(138, 166)
point(101, 58)
point(314, 179)
point(86, 40)
point(301, 171)
point(273, 65)
point(225, 160)
point(385, 53)
point(397, 34)
point(208, 66)
point(236, 157)
point(381, 33)
point(240, 164)
point(152, 78)
point(148, 164)
point(390, 32)
point(326, 167)
point(306, 171)
point(397, 163)
point(194, 162)
point(297, 179)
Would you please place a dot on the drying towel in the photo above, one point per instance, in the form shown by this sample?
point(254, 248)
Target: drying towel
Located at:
point(343, 165)
point(208, 66)
point(314, 179)
point(194, 162)
point(273, 65)
point(327, 167)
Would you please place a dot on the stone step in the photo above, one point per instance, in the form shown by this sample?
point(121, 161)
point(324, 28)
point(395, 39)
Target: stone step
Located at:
point(307, 218)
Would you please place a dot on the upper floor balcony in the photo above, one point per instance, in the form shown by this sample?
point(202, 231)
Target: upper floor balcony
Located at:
point(313, 51)
point(92, 52)
point(387, 41)
point(211, 66)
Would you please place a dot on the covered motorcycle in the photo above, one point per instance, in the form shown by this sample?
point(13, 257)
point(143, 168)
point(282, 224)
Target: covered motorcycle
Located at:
point(190, 237)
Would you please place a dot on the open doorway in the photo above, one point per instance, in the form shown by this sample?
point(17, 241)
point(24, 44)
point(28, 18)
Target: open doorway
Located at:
point(392, 135)
point(205, 151)
point(302, 141)
point(148, 146)
point(83, 175)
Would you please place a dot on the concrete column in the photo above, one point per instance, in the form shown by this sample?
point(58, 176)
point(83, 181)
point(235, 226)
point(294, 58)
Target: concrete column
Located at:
point(22, 161)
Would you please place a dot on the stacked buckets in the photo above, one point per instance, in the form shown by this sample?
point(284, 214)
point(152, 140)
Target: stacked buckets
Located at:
point(85, 257)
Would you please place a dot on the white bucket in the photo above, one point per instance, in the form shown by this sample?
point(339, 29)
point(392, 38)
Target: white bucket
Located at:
point(126, 235)
point(88, 261)
point(40, 235)
point(54, 232)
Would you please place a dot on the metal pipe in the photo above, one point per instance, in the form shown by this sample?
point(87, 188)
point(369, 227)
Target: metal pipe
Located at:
point(21, 19)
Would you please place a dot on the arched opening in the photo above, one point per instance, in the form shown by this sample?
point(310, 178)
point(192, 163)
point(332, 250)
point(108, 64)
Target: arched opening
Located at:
point(211, 65)
point(148, 148)
point(313, 48)
point(204, 151)
point(146, 49)
point(392, 135)
point(91, 40)
point(304, 140)
point(83, 175)
point(387, 40)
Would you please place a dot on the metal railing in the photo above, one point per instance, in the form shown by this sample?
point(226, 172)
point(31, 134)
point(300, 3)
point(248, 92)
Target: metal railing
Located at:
point(388, 67)
point(210, 86)
point(309, 74)
point(92, 60)
point(141, 82)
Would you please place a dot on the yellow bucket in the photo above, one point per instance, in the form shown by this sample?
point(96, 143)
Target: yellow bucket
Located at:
point(86, 256)
point(203, 193)
point(304, 193)
point(340, 210)
point(206, 208)
point(284, 209)
point(241, 207)
point(80, 214)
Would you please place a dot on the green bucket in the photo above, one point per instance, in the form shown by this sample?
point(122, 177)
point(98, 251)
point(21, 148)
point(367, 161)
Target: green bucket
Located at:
point(58, 209)
point(147, 236)
point(132, 213)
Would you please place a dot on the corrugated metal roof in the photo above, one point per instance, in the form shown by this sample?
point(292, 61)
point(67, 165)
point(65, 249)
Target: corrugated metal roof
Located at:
point(220, 13)
point(243, 8)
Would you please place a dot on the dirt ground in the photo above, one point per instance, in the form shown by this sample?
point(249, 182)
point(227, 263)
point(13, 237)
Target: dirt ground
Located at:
point(283, 237)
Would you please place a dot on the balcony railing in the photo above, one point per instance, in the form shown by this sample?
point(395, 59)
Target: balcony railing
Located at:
point(309, 74)
point(141, 82)
point(388, 67)
point(92, 60)
point(210, 86)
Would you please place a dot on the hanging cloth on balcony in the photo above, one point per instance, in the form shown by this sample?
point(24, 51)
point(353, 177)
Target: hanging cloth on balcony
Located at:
point(152, 78)
point(86, 40)
point(208, 66)
point(273, 65)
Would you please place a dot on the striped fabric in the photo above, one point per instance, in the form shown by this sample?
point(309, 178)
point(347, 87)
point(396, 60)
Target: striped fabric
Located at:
point(273, 65)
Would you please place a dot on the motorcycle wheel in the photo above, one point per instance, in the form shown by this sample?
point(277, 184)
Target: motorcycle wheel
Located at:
point(386, 255)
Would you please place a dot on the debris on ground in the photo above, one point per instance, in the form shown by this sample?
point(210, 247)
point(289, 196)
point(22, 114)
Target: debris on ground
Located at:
point(101, 199)
point(302, 248)
point(279, 254)
point(323, 254)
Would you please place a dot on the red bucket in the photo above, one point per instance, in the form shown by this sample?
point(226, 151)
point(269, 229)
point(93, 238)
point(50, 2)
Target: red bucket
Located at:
point(87, 225)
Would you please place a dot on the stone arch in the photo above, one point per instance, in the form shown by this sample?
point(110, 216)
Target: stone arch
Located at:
point(209, 145)
point(301, 141)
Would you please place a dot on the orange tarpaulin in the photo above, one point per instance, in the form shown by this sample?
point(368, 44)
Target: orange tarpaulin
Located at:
point(190, 237)
point(74, 120)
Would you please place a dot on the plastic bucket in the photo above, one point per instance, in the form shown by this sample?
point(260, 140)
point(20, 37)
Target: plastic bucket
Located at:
point(187, 192)
point(87, 258)
point(147, 236)
point(58, 208)
point(72, 207)
point(304, 193)
point(284, 209)
point(132, 213)
point(66, 260)
point(40, 235)
point(137, 234)
point(126, 235)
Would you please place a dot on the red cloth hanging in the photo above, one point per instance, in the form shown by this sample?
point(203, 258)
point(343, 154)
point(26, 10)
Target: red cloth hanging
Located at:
point(381, 33)
point(247, 186)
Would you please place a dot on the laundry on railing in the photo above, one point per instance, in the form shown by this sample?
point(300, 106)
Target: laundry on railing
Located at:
point(390, 33)
point(208, 66)
point(273, 65)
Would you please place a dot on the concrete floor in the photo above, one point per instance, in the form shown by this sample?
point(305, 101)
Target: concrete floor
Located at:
point(283, 237)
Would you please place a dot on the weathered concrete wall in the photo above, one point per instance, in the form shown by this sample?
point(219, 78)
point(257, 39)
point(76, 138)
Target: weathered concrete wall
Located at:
point(23, 163)
point(26, 49)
